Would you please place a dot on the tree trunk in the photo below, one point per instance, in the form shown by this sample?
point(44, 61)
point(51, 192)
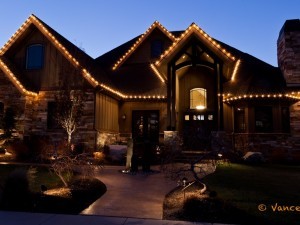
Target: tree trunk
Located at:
point(62, 179)
point(69, 138)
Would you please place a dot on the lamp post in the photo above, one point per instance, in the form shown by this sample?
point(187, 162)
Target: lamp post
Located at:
point(184, 180)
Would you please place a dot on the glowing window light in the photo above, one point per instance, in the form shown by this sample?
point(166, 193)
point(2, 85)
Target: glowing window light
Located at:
point(198, 98)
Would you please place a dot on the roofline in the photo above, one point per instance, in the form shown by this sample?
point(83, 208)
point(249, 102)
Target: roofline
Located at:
point(12, 77)
point(38, 23)
point(141, 39)
point(191, 29)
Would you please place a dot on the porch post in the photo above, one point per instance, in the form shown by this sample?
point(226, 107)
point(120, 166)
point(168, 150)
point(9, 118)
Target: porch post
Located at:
point(171, 85)
point(173, 100)
point(169, 97)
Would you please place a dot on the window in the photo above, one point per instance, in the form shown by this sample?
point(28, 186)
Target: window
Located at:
point(240, 122)
point(263, 119)
point(285, 118)
point(156, 48)
point(198, 98)
point(35, 56)
point(52, 122)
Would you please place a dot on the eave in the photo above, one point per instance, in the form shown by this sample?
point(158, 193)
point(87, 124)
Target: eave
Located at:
point(141, 39)
point(13, 78)
point(159, 67)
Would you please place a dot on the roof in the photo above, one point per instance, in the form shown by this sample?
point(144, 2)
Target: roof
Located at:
point(251, 75)
point(75, 55)
point(110, 72)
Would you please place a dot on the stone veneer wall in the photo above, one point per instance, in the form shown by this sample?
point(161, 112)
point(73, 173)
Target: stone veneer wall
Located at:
point(11, 97)
point(288, 52)
point(276, 147)
point(36, 114)
point(32, 114)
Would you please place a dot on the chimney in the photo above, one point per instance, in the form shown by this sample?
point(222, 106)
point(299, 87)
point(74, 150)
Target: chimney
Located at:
point(288, 52)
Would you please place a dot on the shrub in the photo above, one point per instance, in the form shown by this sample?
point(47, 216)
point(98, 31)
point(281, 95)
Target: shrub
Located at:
point(254, 158)
point(16, 192)
point(19, 149)
point(2, 150)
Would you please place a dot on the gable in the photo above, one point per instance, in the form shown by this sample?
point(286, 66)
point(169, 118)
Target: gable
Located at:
point(156, 25)
point(76, 57)
point(145, 53)
point(209, 45)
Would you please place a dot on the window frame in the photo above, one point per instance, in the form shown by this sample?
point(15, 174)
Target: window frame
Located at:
point(263, 122)
point(193, 105)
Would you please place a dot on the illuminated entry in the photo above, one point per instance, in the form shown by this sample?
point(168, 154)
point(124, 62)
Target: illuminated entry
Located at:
point(198, 98)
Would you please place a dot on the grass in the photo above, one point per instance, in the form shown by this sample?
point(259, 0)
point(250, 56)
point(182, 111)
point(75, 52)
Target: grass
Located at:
point(241, 189)
point(72, 200)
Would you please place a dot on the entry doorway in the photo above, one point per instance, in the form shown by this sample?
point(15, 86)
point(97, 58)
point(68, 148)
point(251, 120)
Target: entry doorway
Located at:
point(197, 129)
point(145, 125)
point(145, 134)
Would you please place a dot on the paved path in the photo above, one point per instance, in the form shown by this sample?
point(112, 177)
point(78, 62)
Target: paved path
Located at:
point(22, 218)
point(137, 196)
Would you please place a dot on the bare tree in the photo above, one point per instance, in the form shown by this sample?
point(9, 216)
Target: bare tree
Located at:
point(70, 106)
point(196, 167)
point(65, 163)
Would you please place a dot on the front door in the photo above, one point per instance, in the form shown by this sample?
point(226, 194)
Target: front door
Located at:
point(197, 129)
point(145, 125)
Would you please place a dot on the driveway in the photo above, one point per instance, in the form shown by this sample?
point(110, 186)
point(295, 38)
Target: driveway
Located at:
point(138, 196)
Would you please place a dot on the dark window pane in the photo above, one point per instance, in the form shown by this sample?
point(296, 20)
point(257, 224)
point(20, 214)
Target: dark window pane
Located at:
point(156, 48)
point(51, 116)
point(240, 122)
point(263, 119)
point(35, 57)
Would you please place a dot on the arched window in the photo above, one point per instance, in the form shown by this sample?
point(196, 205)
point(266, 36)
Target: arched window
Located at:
point(35, 56)
point(198, 98)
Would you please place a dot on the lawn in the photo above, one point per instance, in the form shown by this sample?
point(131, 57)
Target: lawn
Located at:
point(57, 199)
point(248, 195)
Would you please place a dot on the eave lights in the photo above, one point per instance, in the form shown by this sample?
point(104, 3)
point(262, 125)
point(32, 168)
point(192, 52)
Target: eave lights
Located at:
point(157, 73)
point(14, 79)
point(231, 98)
point(236, 67)
point(185, 34)
point(156, 24)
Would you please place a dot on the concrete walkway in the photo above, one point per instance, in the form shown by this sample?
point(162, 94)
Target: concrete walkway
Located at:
point(22, 218)
point(137, 196)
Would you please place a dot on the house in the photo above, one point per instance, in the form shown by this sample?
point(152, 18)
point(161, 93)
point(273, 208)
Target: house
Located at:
point(184, 81)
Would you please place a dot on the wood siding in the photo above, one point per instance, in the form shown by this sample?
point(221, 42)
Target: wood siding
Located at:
point(56, 67)
point(107, 113)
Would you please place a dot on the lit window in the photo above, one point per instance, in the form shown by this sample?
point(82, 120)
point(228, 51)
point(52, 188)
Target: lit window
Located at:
point(187, 117)
point(35, 56)
point(210, 117)
point(198, 98)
